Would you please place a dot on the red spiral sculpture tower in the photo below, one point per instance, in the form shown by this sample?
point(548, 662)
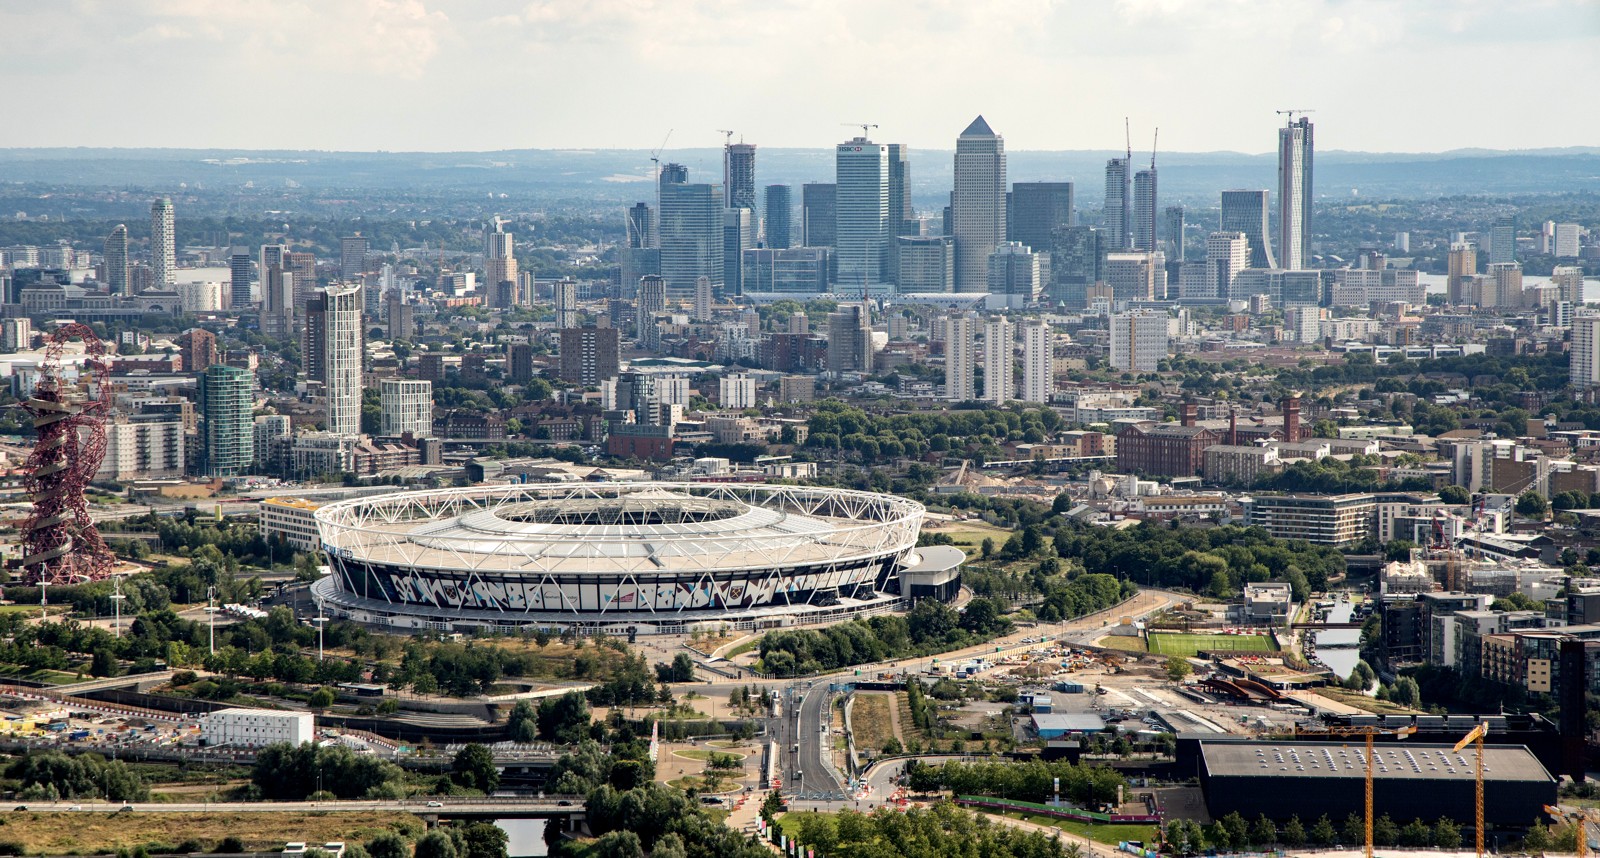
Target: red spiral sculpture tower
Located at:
point(61, 544)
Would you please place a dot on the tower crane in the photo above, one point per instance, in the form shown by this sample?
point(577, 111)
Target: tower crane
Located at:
point(728, 135)
point(1290, 112)
point(1367, 733)
point(1475, 737)
point(864, 126)
point(1579, 817)
point(655, 155)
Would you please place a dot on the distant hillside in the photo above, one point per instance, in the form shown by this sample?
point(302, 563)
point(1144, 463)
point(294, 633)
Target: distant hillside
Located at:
point(623, 175)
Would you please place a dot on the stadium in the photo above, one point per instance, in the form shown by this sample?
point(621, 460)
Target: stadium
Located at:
point(625, 557)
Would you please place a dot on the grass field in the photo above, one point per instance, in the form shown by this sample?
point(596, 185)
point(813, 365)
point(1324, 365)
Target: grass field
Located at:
point(1175, 643)
point(702, 755)
point(869, 717)
point(1108, 834)
point(87, 833)
point(1126, 643)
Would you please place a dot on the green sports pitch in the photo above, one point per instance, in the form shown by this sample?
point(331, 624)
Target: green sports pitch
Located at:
point(1166, 643)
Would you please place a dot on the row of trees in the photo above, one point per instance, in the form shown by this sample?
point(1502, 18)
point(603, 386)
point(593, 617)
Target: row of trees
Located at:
point(1087, 785)
point(930, 627)
point(1218, 560)
point(52, 775)
point(1235, 832)
point(943, 829)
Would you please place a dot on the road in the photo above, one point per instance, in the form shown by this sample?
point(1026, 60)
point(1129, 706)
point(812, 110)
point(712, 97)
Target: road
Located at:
point(816, 743)
point(501, 807)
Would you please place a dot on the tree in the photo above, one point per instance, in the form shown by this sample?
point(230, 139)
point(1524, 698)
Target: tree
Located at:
point(1415, 833)
point(388, 845)
point(1537, 839)
point(103, 663)
point(1354, 830)
point(1294, 834)
point(1455, 495)
point(1384, 831)
point(473, 768)
point(1531, 504)
point(322, 698)
point(436, 844)
point(481, 840)
point(1263, 832)
point(1405, 692)
point(1178, 667)
point(1238, 829)
point(522, 724)
point(564, 719)
point(1446, 834)
point(1322, 832)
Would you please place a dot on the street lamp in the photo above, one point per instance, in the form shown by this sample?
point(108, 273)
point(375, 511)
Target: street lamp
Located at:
point(211, 614)
point(320, 621)
point(116, 604)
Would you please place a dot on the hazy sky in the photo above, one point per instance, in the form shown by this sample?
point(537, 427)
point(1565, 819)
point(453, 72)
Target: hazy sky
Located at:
point(1424, 75)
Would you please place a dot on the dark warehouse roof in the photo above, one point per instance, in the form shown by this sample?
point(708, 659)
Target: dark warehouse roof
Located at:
point(1397, 760)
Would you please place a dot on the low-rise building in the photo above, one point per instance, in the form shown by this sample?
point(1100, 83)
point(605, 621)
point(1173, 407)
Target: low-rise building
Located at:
point(1322, 519)
point(292, 518)
point(256, 728)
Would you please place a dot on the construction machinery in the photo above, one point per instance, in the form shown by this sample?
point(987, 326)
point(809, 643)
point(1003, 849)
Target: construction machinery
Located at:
point(60, 542)
point(1367, 733)
point(1580, 819)
point(1475, 737)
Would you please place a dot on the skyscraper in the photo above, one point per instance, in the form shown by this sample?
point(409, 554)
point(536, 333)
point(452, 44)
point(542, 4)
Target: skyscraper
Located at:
point(999, 361)
point(738, 235)
point(641, 226)
point(1118, 212)
point(341, 343)
point(407, 406)
point(277, 301)
point(861, 214)
point(239, 267)
point(642, 255)
point(225, 403)
point(960, 357)
point(1012, 279)
point(1144, 209)
point(1172, 237)
point(739, 175)
point(353, 257)
point(499, 258)
point(819, 214)
point(1035, 210)
point(1463, 264)
point(692, 222)
point(927, 264)
point(1503, 240)
point(116, 253)
point(652, 299)
point(1583, 368)
point(1038, 362)
point(1294, 193)
point(702, 301)
point(1077, 261)
point(901, 213)
point(779, 214)
point(565, 299)
point(850, 339)
point(163, 243)
point(1246, 211)
point(978, 205)
point(589, 356)
point(1227, 253)
point(1131, 276)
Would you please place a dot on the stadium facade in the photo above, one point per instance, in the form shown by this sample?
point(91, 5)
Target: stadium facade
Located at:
point(625, 557)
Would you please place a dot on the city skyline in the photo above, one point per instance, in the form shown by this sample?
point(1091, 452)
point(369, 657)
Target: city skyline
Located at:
point(391, 59)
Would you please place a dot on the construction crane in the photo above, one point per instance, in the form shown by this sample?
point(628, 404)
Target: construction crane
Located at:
point(655, 155)
point(864, 126)
point(1367, 733)
point(1579, 818)
point(1292, 111)
point(728, 135)
point(1476, 737)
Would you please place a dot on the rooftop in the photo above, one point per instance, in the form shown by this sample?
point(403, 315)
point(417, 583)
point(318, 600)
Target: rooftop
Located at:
point(1401, 760)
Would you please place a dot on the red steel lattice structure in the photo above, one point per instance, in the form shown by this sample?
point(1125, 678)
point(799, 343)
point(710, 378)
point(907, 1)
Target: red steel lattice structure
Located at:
point(61, 544)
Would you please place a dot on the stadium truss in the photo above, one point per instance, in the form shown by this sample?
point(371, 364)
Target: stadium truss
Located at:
point(61, 544)
point(510, 555)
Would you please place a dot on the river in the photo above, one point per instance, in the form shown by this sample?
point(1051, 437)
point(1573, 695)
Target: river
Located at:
point(1339, 649)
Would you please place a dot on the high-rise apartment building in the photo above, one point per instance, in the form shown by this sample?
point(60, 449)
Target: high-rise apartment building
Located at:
point(1584, 359)
point(1503, 240)
point(303, 265)
point(1564, 241)
point(999, 361)
point(737, 391)
point(240, 266)
point(198, 347)
point(278, 311)
point(116, 260)
point(1035, 210)
point(739, 175)
point(499, 257)
point(978, 204)
point(1227, 253)
point(1294, 193)
point(565, 298)
point(353, 257)
point(1012, 278)
point(819, 214)
point(861, 208)
point(778, 215)
point(1077, 261)
point(961, 357)
point(1172, 233)
point(703, 299)
point(738, 235)
point(1038, 362)
point(341, 349)
point(1569, 279)
point(226, 398)
point(650, 303)
point(1132, 276)
point(927, 263)
point(850, 339)
point(1138, 341)
point(692, 224)
point(1463, 264)
point(589, 355)
point(1143, 221)
point(1119, 211)
point(407, 406)
point(163, 243)
point(1246, 211)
